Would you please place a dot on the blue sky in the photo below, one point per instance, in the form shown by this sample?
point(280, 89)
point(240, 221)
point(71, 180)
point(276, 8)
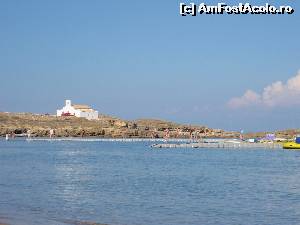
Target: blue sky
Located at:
point(141, 59)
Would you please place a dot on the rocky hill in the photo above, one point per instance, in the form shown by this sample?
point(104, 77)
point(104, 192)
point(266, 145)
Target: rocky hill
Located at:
point(287, 134)
point(105, 126)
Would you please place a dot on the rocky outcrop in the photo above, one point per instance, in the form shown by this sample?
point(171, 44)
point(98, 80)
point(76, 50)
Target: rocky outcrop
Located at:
point(105, 126)
point(286, 134)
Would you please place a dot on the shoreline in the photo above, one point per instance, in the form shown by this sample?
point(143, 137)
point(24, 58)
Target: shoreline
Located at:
point(42, 126)
point(100, 139)
point(133, 139)
point(23, 124)
point(160, 143)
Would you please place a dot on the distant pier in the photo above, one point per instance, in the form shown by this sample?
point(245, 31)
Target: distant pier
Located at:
point(160, 143)
point(227, 145)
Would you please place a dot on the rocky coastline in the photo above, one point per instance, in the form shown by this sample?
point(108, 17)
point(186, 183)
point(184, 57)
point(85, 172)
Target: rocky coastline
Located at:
point(39, 125)
point(106, 126)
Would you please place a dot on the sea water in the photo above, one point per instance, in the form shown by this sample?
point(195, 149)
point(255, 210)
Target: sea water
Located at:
point(65, 182)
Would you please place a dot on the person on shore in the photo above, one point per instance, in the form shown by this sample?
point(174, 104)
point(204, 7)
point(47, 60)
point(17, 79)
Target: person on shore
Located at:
point(167, 134)
point(196, 135)
point(51, 133)
point(152, 135)
point(241, 135)
point(192, 134)
point(28, 133)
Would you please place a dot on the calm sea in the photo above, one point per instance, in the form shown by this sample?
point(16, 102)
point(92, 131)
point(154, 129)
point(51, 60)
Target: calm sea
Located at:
point(132, 184)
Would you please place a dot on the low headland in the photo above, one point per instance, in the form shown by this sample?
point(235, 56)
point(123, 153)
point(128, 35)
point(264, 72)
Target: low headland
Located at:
point(105, 127)
point(111, 127)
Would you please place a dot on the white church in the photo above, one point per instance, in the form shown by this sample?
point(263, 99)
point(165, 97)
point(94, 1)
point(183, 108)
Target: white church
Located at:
point(83, 111)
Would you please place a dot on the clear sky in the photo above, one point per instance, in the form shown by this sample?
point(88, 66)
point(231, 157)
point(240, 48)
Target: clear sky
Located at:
point(141, 59)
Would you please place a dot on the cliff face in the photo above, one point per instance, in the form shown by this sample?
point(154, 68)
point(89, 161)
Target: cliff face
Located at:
point(105, 126)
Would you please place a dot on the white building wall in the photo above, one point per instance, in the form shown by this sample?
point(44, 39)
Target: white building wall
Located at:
point(93, 115)
point(67, 109)
point(89, 115)
point(58, 112)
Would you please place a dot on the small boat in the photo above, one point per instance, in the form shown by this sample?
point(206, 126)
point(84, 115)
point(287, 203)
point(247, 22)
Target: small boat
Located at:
point(291, 145)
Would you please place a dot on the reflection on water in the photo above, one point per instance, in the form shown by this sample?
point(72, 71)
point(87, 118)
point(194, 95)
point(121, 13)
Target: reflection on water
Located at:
point(128, 183)
point(72, 176)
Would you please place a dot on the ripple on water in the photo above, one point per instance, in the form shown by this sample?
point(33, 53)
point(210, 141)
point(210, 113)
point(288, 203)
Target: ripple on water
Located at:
point(128, 183)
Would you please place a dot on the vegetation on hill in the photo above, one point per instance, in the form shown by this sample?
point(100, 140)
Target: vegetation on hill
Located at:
point(105, 126)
